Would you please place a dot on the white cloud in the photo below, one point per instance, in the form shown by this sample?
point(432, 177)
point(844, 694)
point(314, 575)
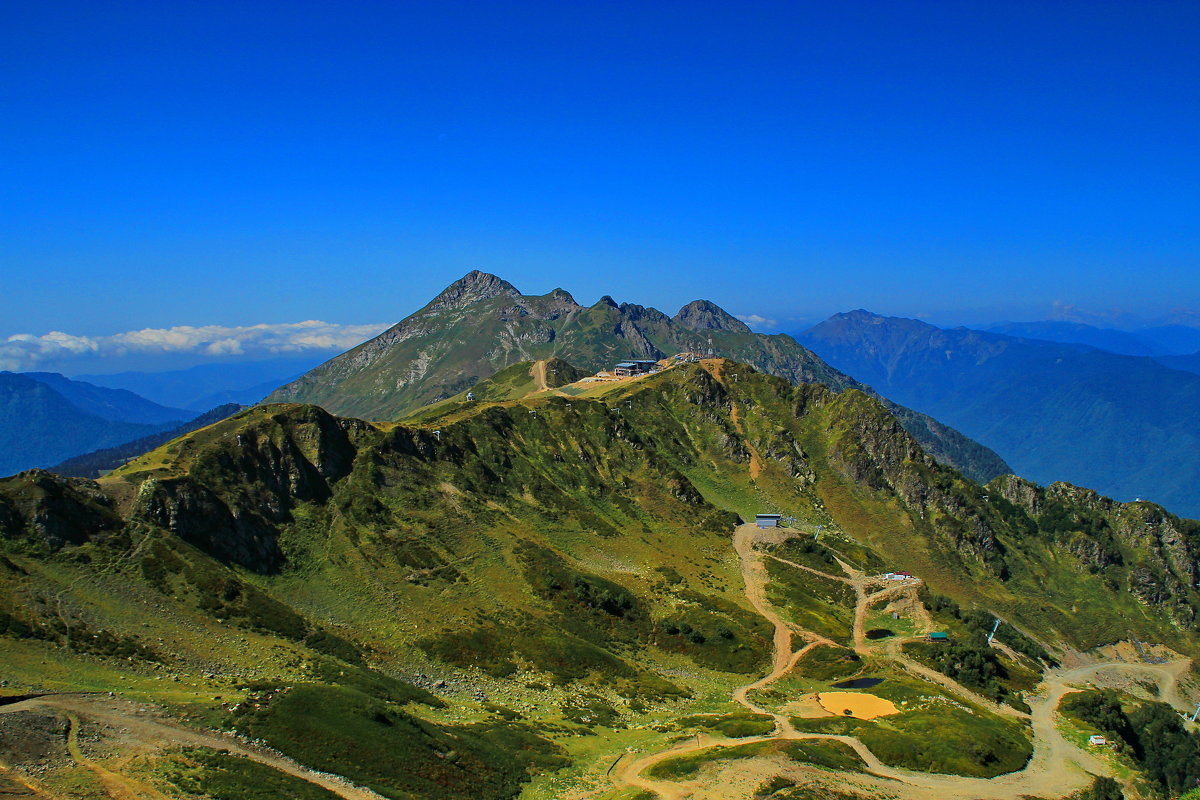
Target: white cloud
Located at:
point(756, 319)
point(25, 351)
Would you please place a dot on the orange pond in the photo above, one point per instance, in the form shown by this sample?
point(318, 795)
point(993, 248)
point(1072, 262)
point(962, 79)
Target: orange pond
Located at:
point(856, 704)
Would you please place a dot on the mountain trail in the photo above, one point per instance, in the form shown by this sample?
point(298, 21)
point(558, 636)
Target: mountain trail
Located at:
point(539, 375)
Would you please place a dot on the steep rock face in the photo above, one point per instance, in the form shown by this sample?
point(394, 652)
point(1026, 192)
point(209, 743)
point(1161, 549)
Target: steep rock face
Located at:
point(199, 516)
point(702, 315)
point(482, 324)
point(870, 447)
point(243, 486)
point(51, 511)
point(1154, 553)
point(472, 288)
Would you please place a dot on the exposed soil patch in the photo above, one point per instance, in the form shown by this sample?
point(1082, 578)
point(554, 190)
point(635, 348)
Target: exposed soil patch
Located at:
point(34, 739)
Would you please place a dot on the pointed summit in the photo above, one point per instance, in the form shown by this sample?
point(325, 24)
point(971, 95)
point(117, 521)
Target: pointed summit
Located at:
point(702, 315)
point(472, 288)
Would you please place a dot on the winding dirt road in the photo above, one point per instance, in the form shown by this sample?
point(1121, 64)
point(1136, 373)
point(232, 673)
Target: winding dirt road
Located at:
point(153, 733)
point(1057, 767)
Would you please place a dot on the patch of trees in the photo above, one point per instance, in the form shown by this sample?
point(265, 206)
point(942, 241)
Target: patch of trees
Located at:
point(1102, 788)
point(978, 621)
point(1153, 734)
point(971, 662)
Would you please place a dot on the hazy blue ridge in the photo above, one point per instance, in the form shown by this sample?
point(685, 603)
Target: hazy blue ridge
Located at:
point(205, 386)
point(96, 463)
point(118, 405)
point(39, 426)
point(1127, 426)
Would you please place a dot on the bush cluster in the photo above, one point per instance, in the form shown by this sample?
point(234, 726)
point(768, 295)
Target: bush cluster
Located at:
point(1153, 734)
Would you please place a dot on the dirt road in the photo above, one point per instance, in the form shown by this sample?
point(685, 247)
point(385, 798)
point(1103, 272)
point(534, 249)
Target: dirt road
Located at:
point(153, 732)
point(1057, 767)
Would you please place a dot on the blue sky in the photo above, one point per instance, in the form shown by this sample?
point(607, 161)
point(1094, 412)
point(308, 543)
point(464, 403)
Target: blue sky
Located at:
point(231, 164)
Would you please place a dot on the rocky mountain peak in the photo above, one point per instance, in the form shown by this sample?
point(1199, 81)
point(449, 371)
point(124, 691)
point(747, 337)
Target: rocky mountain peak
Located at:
point(471, 288)
point(703, 315)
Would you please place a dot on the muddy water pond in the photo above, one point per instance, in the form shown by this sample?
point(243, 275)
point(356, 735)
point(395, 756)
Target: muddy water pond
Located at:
point(856, 704)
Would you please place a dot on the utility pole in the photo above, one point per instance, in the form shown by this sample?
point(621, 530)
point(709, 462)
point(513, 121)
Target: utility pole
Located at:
point(995, 628)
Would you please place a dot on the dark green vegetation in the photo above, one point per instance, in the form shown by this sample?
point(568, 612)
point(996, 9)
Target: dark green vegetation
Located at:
point(1102, 789)
point(550, 571)
point(940, 738)
point(1055, 411)
point(818, 753)
point(1152, 733)
point(829, 664)
point(977, 622)
point(221, 776)
point(970, 660)
point(481, 327)
point(734, 726)
point(96, 463)
point(377, 744)
point(45, 418)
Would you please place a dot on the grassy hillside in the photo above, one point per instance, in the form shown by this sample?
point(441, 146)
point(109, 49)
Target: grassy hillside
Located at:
point(514, 601)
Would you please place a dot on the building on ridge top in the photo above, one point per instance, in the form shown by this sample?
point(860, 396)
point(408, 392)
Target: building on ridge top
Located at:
point(628, 369)
point(767, 520)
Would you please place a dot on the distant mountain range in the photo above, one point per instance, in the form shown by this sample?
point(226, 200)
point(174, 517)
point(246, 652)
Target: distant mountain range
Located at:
point(45, 418)
point(98, 462)
point(1177, 346)
point(206, 386)
point(1128, 426)
point(481, 324)
point(1188, 363)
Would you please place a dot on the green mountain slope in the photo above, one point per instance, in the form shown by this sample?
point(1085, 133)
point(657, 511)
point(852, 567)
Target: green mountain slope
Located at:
point(515, 600)
point(481, 324)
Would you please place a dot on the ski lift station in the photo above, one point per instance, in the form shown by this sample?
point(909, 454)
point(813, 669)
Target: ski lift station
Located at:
point(627, 369)
point(767, 520)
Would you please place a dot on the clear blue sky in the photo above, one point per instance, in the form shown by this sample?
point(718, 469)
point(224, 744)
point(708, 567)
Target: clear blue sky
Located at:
point(171, 163)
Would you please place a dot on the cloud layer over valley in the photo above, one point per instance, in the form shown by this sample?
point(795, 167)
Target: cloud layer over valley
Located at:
point(57, 350)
